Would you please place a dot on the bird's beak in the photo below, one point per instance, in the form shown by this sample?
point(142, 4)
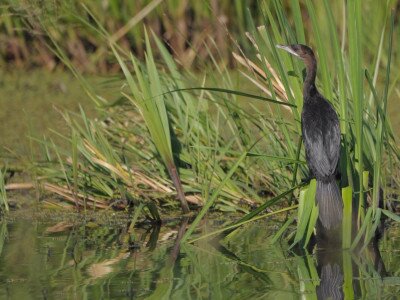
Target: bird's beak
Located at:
point(288, 49)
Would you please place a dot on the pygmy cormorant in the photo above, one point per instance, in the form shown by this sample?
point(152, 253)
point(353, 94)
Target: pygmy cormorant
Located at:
point(321, 137)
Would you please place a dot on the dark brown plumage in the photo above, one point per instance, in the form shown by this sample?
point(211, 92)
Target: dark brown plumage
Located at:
point(321, 137)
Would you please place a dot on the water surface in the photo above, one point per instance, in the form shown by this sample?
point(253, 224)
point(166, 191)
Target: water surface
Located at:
point(48, 255)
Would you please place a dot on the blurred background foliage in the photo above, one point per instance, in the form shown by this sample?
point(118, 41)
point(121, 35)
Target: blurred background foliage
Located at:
point(192, 30)
point(188, 27)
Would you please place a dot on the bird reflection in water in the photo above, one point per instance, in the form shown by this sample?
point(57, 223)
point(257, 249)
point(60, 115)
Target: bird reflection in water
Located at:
point(333, 263)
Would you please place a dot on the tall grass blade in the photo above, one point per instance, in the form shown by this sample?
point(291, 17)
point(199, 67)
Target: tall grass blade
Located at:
point(306, 213)
point(238, 93)
point(355, 39)
point(347, 196)
point(348, 288)
point(367, 221)
point(264, 206)
point(234, 226)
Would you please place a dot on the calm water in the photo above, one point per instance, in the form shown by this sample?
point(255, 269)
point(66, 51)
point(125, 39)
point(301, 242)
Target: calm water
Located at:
point(48, 256)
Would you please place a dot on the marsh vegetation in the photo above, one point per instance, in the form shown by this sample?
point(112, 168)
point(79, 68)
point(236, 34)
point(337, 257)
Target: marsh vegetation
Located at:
point(211, 117)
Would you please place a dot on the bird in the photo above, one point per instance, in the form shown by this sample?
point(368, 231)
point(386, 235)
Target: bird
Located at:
point(321, 137)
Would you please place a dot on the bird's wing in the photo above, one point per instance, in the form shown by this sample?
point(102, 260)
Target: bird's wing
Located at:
point(317, 157)
point(332, 144)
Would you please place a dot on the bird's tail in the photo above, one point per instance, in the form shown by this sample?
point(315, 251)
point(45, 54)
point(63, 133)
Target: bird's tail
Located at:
point(330, 204)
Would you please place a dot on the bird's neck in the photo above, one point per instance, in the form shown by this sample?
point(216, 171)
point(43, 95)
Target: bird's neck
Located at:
point(309, 88)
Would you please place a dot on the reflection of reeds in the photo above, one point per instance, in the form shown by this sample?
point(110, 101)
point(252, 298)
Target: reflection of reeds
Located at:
point(94, 259)
point(3, 235)
point(3, 193)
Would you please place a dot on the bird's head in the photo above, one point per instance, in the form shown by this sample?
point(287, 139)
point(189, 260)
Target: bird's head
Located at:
point(301, 51)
